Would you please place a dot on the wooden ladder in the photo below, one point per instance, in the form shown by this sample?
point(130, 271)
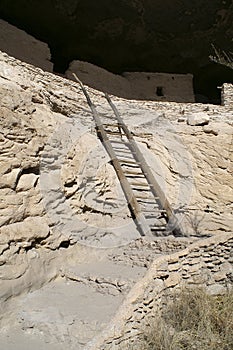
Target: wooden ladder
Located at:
point(149, 207)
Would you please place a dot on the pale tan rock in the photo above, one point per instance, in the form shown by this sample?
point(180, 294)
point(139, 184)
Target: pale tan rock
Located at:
point(29, 230)
point(216, 289)
point(209, 129)
point(173, 279)
point(26, 182)
point(174, 267)
point(198, 119)
point(10, 179)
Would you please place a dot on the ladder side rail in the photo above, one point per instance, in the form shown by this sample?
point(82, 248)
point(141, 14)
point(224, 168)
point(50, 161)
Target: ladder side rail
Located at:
point(155, 188)
point(130, 197)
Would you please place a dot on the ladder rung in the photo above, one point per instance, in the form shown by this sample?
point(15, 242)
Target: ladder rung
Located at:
point(120, 142)
point(142, 189)
point(147, 184)
point(158, 228)
point(130, 172)
point(134, 177)
point(150, 215)
point(151, 199)
point(115, 139)
point(141, 198)
point(126, 157)
point(109, 117)
point(122, 153)
point(139, 183)
point(152, 209)
point(139, 189)
point(134, 166)
point(122, 149)
point(113, 132)
point(128, 161)
point(155, 210)
point(147, 204)
point(146, 201)
point(153, 215)
point(107, 124)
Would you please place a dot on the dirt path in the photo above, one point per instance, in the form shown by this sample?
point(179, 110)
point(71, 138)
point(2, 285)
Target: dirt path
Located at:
point(69, 311)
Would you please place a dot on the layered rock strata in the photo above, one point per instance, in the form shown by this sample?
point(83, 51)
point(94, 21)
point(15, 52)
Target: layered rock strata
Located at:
point(62, 205)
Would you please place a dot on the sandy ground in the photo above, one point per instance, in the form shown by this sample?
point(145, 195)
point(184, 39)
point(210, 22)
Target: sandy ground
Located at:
point(72, 309)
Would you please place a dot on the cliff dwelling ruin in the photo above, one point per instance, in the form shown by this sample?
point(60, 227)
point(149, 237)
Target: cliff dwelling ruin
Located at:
point(130, 36)
point(134, 85)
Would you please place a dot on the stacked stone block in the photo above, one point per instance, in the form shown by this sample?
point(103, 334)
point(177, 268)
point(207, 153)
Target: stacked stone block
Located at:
point(227, 95)
point(206, 263)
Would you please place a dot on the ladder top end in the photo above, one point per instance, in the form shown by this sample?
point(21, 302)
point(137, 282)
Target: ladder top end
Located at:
point(78, 80)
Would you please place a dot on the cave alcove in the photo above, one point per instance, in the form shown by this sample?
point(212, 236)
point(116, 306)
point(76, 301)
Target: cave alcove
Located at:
point(133, 35)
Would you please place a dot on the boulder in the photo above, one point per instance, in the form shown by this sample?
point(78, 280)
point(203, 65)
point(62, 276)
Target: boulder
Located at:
point(198, 119)
point(26, 182)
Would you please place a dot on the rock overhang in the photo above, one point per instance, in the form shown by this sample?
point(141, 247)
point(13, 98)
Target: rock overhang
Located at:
point(152, 36)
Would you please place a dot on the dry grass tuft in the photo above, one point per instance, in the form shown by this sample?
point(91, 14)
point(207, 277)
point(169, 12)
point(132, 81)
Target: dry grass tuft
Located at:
point(193, 321)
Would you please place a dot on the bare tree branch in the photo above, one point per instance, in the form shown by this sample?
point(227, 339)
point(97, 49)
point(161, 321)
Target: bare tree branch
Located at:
point(221, 57)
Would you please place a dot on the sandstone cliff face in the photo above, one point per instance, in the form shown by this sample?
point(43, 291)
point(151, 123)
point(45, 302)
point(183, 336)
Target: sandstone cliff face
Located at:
point(194, 162)
point(56, 177)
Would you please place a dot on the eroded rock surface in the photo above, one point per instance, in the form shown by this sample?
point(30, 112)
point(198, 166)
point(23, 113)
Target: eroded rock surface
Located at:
point(63, 216)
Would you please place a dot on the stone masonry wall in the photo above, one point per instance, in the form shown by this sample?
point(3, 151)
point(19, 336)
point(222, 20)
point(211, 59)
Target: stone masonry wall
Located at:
point(161, 86)
point(206, 263)
point(18, 43)
point(227, 95)
point(135, 85)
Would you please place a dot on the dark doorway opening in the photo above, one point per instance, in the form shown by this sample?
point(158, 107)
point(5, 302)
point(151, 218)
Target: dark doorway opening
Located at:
point(159, 91)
